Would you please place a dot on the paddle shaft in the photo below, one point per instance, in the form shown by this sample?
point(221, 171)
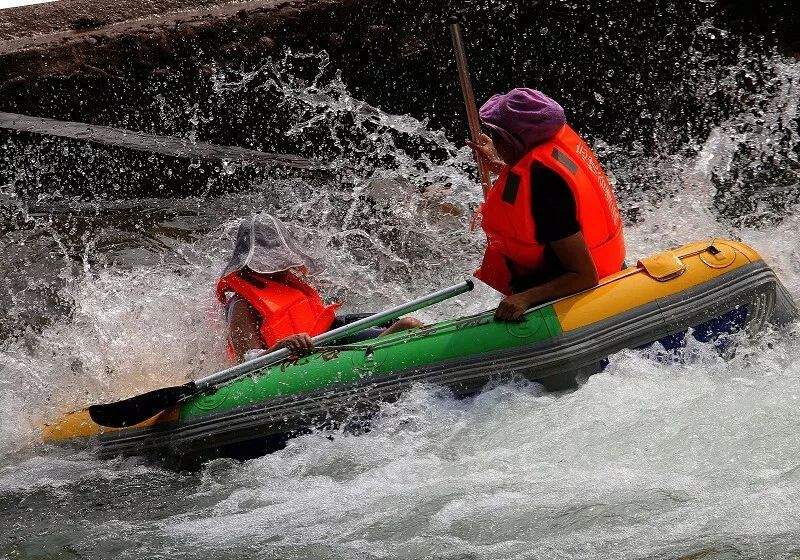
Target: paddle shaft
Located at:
point(336, 334)
point(469, 101)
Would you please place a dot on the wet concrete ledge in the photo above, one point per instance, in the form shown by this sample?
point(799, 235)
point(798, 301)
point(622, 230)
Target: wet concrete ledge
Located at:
point(85, 36)
point(76, 15)
point(99, 39)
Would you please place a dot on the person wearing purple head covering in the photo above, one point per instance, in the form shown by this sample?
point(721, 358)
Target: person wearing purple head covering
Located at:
point(521, 119)
point(551, 219)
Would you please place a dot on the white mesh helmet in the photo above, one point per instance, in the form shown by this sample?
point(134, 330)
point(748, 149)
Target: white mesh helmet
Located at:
point(265, 245)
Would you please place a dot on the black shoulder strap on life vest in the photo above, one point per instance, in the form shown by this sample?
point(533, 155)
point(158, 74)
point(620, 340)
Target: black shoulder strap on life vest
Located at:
point(511, 188)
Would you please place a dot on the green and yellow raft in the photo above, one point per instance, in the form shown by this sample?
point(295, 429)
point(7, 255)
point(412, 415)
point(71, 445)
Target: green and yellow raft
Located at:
point(707, 289)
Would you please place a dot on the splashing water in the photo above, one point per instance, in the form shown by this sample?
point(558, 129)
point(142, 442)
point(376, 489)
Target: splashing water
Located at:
point(652, 458)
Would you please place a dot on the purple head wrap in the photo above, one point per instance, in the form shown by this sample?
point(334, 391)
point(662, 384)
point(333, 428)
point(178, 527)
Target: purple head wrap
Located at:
point(523, 117)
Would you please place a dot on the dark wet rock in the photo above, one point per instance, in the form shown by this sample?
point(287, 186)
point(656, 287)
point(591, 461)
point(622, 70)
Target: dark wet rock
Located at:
point(266, 44)
point(233, 51)
point(375, 32)
point(290, 13)
point(335, 40)
point(627, 71)
point(95, 71)
point(261, 22)
point(411, 48)
point(84, 23)
point(12, 83)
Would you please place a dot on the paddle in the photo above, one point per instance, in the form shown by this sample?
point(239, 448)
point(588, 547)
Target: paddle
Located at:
point(141, 407)
point(469, 99)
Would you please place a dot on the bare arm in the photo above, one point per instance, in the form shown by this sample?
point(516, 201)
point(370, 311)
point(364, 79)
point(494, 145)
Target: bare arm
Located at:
point(580, 274)
point(245, 334)
point(243, 328)
point(486, 150)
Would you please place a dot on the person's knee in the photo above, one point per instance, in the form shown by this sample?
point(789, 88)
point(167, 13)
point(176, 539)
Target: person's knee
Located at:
point(408, 323)
point(402, 325)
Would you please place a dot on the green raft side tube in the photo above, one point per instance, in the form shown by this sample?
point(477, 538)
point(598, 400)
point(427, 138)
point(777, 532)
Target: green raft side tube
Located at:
point(459, 338)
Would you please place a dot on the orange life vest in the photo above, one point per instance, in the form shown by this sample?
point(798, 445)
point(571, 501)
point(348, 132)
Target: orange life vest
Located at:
point(507, 218)
point(287, 307)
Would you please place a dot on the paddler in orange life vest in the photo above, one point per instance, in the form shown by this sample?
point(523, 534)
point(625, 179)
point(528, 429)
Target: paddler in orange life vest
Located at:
point(269, 304)
point(551, 219)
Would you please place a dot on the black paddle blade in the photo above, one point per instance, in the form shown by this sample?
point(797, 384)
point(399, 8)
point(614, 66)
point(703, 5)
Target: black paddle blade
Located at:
point(141, 407)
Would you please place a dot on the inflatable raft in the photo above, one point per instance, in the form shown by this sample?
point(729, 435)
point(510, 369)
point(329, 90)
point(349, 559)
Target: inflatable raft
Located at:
point(706, 289)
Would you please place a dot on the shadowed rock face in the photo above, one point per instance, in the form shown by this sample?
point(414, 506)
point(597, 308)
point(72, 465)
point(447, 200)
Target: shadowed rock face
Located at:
point(627, 72)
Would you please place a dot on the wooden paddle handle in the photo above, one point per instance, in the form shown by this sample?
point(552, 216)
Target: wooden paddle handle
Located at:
point(469, 100)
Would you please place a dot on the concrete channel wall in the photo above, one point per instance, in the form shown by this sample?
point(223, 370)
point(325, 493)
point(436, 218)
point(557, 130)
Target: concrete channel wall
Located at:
point(625, 70)
point(92, 41)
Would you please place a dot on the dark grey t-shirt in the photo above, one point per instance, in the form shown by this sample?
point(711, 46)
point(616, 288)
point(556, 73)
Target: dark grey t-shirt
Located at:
point(554, 213)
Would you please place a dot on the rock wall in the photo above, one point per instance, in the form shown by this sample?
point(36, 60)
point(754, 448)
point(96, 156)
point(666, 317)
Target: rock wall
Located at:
point(627, 71)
